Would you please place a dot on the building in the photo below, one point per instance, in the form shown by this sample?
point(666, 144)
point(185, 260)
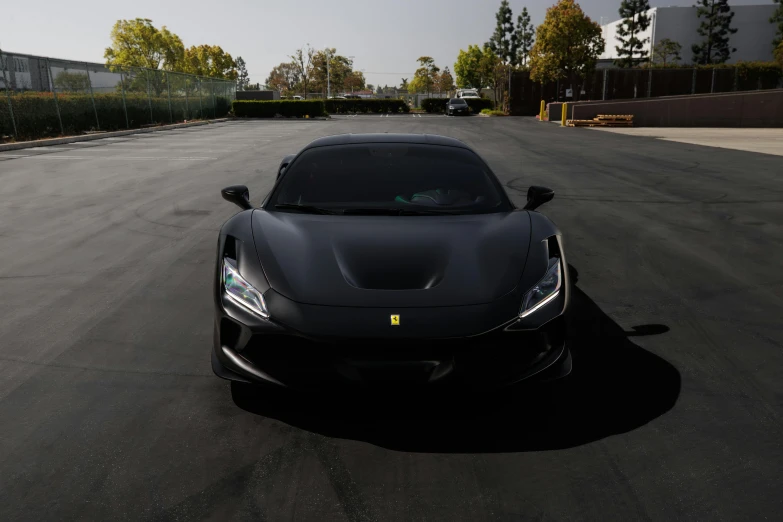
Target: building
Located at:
point(753, 39)
point(25, 72)
point(366, 93)
point(22, 73)
point(258, 95)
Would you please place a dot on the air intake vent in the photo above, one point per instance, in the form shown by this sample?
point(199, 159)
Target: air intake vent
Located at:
point(230, 249)
point(553, 246)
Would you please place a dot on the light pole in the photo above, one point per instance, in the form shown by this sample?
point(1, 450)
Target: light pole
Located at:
point(351, 58)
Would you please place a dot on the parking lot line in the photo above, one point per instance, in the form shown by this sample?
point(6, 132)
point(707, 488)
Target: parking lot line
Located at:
point(129, 158)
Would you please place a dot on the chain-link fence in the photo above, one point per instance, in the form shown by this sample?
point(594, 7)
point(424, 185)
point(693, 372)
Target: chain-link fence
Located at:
point(46, 97)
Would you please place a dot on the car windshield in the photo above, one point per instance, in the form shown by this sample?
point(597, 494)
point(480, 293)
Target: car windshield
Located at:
point(457, 101)
point(389, 178)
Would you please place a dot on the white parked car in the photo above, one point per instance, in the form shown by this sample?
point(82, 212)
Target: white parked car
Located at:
point(468, 93)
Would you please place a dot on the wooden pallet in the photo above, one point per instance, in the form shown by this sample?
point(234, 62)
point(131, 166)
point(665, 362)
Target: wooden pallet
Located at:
point(614, 117)
point(597, 123)
point(603, 120)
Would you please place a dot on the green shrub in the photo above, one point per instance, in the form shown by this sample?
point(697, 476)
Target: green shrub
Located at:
point(271, 108)
point(438, 105)
point(479, 104)
point(434, 105)
point(490, 112)
point(35, 113)
point(366, 106)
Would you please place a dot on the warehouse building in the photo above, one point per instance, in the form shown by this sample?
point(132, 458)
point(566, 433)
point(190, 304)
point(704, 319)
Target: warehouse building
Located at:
point(753, 39)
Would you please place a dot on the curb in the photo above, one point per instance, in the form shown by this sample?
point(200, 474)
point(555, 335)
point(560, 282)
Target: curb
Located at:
point(102, 135)
point(272, 118)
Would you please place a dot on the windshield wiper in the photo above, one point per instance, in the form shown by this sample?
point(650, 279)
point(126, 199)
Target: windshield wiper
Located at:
point(309, 209)
point(396, 212)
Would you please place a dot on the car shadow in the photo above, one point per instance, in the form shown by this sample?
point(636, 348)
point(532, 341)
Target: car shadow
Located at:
point(616, 386)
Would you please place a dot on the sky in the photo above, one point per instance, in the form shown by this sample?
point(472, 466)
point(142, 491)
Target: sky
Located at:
point(384, 38)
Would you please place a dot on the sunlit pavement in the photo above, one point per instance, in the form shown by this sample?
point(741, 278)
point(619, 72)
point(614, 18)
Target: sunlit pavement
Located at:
point(110, 411)
point(765, 141)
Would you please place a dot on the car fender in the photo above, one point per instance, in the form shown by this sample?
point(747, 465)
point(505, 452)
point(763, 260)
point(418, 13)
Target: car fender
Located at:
point(239, 230)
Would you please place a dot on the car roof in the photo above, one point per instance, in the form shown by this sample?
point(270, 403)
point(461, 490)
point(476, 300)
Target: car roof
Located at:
point(352, 139)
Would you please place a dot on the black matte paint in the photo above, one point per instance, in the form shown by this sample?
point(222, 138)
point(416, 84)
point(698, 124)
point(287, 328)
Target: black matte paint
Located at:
point(330, 279)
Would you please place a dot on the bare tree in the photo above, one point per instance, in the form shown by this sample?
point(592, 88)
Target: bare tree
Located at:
point(303, 62)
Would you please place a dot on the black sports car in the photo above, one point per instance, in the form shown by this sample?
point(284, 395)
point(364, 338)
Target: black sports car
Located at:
point(389, 258)
point(457, 107)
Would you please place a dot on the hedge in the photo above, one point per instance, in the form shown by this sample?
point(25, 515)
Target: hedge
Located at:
point(479, 104)
point(271, 108)
point(438, 105)
point(35, 113)
point(434, 105)
point(491, 112)
point(365, 106)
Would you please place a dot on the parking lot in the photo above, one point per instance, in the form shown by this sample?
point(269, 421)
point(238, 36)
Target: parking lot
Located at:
point(110, 410)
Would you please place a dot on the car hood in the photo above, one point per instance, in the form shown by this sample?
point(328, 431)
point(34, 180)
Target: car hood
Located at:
point(392, 261)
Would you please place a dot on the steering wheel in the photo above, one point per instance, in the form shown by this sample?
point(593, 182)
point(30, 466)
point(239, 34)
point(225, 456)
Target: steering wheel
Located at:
point(439, 197)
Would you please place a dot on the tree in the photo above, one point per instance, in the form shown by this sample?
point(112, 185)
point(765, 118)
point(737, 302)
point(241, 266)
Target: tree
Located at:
point(468, 68)
point(209, 60)
point(779, 54)
point(503, 41)
point(444, 81)
point(137, 43)
point(524, 34)
point(666, 51)
point(777, 18)
point(284, 78)
point(404, 84)
point(424, 77)
point(370, 87)
point(335, 75)
point(302, 61)
point(243, 80)
point(567, 46)
point(494, 70)
point(631, 52)
point(354, 81)
point(715, 27)
point(72, 82)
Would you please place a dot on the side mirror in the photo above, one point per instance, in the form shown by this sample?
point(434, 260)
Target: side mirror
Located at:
point(537, 196)
point(283, 164)
point(237, 194)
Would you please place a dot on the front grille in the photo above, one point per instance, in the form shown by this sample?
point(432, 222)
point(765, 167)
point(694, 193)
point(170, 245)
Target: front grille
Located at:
point(300, 362)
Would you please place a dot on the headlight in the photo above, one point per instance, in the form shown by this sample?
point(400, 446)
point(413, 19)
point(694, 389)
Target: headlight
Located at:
point(545, 290)
point(451, 106)
point(242, 292)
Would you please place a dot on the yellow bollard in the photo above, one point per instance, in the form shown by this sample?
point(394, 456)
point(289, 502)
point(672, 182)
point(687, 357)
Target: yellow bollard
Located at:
point(543, 111)
point(564, 115)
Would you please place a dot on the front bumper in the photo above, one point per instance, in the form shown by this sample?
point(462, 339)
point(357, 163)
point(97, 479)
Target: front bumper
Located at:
point(249, 349)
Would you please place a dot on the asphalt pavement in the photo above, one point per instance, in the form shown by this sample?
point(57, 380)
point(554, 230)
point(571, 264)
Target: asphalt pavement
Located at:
point(109, 409)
